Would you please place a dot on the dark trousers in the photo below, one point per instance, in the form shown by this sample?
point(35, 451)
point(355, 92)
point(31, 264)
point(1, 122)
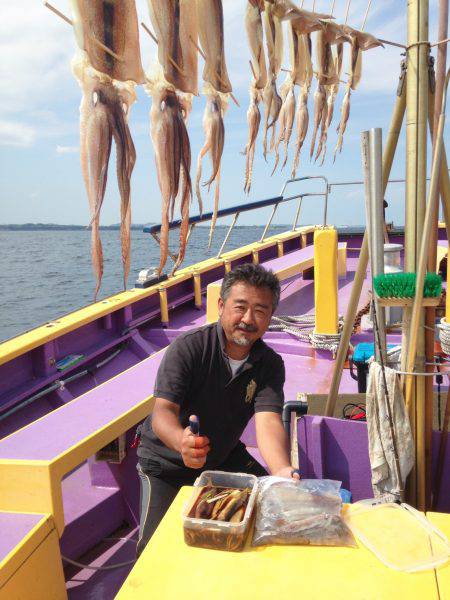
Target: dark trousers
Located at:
point(158, 492)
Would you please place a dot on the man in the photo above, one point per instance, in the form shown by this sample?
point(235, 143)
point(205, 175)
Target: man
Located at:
point(221, 375)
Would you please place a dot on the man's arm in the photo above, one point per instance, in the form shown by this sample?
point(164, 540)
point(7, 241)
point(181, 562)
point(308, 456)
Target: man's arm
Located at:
point(273, 443)
point(166, 426)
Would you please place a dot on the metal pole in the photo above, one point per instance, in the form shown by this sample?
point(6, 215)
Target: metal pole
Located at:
point(416, 166)
point(266, 228)
point(325, 208)
point(377, 223)
point(297, 214)
point(230, 229)
point(360, 275)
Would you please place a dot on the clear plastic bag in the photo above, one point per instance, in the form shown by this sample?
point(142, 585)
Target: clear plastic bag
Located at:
point(305, 512)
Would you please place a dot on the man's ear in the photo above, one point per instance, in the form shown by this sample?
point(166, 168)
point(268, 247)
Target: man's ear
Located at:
point(220, 306)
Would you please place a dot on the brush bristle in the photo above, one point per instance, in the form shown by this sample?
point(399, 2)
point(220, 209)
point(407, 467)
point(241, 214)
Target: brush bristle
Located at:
point(403, 285)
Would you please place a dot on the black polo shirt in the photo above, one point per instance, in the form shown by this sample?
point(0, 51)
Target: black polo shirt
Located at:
point(196, 375)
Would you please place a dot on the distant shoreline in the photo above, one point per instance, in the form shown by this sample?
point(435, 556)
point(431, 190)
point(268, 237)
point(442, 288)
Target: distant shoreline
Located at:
point(57, 227)
point(115, 227)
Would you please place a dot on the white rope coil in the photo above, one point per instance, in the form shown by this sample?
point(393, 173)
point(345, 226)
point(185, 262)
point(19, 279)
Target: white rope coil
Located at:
point(444, 335)
point(302, 327)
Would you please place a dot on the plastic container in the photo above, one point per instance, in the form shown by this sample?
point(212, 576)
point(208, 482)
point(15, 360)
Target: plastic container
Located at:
point(399, 535)
point(220, 535)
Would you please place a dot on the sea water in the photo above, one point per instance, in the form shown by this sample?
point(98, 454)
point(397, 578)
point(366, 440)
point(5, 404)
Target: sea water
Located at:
point(46, 274)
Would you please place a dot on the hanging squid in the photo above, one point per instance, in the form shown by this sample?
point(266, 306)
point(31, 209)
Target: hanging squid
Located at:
point(302, 125)
point(359, 41)
point(253, 120)
point(332, 92)
point(103, 117)
point(115, 25)
point(173, 162)
point(272, 102)
point(300, 27)
point(217, 86)
point(329, 69)
point(175, 25)
point(214, 142)
point(254, 28)
point(107, 79)
point(211, 35)
point(286, 120)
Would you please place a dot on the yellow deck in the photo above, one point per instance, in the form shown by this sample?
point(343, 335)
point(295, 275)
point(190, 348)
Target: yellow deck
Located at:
point(168, 569)
point(442, 522)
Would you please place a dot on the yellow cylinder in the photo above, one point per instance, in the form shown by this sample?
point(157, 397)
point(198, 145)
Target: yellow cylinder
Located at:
point(326, 280)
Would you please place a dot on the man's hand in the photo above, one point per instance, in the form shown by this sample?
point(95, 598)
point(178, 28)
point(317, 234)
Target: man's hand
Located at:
point(288, 472)
point(193, 449)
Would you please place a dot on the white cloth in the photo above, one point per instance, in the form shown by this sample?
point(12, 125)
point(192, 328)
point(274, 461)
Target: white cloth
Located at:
point(381, 449)
point(235, 365)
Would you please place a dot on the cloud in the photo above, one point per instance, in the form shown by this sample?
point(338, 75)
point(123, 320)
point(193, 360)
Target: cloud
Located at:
point(14, 133)
point(67, 149)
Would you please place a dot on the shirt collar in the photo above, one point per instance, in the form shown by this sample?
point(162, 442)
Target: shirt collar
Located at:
point(256, 351)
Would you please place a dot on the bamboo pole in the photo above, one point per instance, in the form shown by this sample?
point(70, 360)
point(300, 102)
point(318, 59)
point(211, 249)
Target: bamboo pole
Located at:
point(360, 275)
point(416, 165)
point(424, 250)
point(430, 313)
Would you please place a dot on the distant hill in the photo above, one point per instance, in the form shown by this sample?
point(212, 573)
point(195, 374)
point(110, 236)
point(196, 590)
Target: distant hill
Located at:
point(57, 227)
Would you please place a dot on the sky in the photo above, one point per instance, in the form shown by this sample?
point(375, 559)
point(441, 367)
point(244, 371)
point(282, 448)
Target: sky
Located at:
point(40, 176)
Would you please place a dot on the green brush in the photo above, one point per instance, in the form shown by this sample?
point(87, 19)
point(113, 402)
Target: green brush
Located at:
point(403, 285)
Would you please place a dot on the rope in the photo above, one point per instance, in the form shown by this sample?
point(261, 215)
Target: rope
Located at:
point(444, 335)
point(302, 327)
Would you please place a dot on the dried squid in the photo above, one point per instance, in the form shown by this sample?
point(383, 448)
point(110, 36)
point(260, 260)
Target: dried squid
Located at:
point(299, 29)
point(272, 106)
point(329, 70)
point(286, 120)
point(173, 161)
point(211, 34)
point(107, 77)
point(103, 116)
point(302, 125)
point(175, 25)
point(214, 141)
point(359, 41)
point(115, 25)
point(254, 27)
point(253, 120)
point(272, 102)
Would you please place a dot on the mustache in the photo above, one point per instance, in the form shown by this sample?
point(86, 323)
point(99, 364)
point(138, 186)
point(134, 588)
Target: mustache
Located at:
point(245, 327)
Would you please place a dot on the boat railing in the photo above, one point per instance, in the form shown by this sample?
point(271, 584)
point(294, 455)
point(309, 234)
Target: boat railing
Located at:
point(275, 202)
point(236, 211)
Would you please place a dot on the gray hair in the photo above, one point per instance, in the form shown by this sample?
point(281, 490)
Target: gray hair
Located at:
point(254, 275)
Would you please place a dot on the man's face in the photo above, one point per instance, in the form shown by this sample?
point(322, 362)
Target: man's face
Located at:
point(245, 315)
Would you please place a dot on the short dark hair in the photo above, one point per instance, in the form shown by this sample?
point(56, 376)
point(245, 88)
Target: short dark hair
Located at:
point(254, 275)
